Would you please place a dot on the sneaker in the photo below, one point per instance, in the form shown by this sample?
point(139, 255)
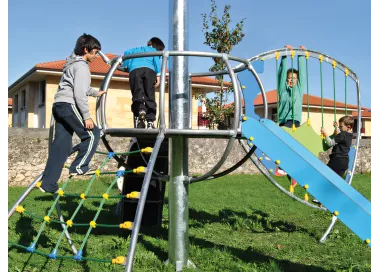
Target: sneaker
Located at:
point(280, 173)
point(42, 190)
point(139, 123)
point(89, 172)
point(142, 115)
point(150, 124)
point(316, 201)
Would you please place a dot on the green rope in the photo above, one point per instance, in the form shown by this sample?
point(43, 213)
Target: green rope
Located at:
point(80, 204)
point(50, 211)
point(278, 94)
point(97, 214)
point(58, 256)
point(307, 87)
point(334, 93)
point(320, 72)
point(345, 92)
point(119, 153)
point(292, 95)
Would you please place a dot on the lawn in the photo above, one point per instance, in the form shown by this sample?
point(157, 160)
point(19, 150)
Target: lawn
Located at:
point(237, 223)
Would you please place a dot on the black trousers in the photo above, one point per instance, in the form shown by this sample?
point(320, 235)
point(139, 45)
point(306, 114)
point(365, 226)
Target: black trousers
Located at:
point(142, 82)
point(289, 123)
point(338, 164)
point(68, 120)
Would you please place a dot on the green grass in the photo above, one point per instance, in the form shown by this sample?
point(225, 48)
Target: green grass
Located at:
point(237, 223)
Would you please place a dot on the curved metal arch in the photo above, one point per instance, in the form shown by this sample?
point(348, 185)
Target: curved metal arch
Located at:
point(101, 117)
point(314, 54)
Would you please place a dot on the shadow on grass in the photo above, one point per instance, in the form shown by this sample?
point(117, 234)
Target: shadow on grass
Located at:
point(247, 256)
point(257, 222)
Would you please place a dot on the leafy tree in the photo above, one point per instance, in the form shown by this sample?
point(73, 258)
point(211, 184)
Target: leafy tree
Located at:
point(220, 38)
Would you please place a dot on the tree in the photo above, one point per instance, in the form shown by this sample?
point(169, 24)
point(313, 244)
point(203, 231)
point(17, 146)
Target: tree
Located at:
point(220, 38)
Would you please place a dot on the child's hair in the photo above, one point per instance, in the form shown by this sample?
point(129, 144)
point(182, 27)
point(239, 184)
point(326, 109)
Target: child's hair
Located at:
point(347, 120)
point(86, 41)
point(156, 43)
point(295, 71)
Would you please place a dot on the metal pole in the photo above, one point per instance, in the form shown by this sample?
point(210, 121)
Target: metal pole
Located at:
point(179, 101)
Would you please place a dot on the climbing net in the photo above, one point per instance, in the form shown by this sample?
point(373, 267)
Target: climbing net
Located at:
point(48, 219)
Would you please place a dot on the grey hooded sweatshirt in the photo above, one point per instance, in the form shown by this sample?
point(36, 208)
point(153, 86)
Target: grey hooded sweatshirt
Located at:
point(74, 86)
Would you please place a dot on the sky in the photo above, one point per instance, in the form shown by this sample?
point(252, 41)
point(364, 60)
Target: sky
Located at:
point(44, 31)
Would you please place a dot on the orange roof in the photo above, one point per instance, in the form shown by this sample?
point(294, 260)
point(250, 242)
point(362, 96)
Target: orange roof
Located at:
point(313, 100)
point(364, 113)
point(98, 66)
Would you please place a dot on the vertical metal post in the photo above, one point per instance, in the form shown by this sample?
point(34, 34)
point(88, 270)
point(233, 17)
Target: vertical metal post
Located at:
point(179, 104)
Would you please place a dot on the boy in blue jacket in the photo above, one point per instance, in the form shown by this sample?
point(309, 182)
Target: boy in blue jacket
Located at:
point(71, 113)
point(144, 77)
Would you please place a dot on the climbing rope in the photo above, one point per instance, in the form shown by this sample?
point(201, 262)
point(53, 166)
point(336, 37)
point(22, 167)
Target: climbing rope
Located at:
point(293, 125)
point(320, 72)
point(278, 94)
point(334, 66)
point(307, 87)
point(83, 196)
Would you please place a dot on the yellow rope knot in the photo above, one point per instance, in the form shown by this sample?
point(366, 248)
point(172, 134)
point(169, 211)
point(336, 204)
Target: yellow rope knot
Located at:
point(147, 150)
point(38, 184)
point(243, 87)
point(306, 197)
point(261, 158)
point(367, 241)
point(140, 169)
point(277, 162)
point(336, 213)
point(69, 223)
point(97, 172)
point(291, 189)
point(20, 209)
point(93, 224)
point(83, 196)
point(60, 192)
point(277, 55)
point(320, 58)
point(307, 54)
point(292, 54)
point(118, 260)
point(134, 195)
point(334, 64)
point(251, 138)
point(126, 225)
point(346, 72)
point(294, 127)
point(308, 122)
point(47, 218)
point(105, 196)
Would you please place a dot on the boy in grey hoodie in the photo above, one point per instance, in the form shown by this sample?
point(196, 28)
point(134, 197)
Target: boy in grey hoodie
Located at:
point(71, 113)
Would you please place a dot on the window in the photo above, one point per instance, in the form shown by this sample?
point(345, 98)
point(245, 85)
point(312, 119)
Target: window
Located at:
point(42, 93)
point(274, 115)
point(23, 99)
point(15, 104)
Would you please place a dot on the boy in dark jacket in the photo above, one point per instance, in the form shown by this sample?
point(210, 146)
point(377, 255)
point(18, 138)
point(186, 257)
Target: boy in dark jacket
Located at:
point(71, 114)
point(341, 143)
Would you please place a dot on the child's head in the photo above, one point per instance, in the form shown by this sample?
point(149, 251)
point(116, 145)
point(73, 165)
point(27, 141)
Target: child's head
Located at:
point(87, 46)
point(289, 77)
point(346, 123)
point(156, 43)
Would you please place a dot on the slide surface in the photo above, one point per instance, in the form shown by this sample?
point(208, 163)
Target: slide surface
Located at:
point(331, 190)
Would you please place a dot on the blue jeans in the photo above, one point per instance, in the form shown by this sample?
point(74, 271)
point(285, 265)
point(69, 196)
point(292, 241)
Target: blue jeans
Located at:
point(67, 121)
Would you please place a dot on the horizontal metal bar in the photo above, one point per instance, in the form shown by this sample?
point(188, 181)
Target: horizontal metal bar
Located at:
point(134, 132)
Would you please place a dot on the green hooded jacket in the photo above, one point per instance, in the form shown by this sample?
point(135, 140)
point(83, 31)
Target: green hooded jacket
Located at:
point(285, 92)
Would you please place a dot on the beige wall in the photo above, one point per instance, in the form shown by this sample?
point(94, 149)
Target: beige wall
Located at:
point(367, 126)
